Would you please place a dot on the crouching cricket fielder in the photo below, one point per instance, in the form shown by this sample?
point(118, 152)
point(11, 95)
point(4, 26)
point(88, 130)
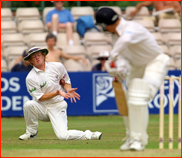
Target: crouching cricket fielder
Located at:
point(140, 61)
point(47, 83)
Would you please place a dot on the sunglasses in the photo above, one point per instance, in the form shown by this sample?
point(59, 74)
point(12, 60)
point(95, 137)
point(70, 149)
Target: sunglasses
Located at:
point(103, 58)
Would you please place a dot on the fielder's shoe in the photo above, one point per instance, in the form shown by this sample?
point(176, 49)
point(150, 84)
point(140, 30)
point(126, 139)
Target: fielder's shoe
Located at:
point(96, 135)
point(28, 136)
point(137, 145)
point(126, 145)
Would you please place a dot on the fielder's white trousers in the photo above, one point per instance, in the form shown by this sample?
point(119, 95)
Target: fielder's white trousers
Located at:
point(56, 113)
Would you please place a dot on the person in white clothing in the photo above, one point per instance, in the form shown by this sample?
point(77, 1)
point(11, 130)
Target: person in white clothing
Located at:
point(49, 83)
point(140, 61)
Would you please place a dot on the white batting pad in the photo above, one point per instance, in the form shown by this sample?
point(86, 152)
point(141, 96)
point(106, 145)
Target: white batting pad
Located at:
point(138, 97)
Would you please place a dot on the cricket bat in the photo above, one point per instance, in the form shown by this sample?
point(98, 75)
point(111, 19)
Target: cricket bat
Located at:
point(120, 96)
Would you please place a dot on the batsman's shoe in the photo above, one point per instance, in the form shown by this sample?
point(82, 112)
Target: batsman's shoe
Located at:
point(126, 145)
point(28, 136)
point(96, 135)
point(137, 146)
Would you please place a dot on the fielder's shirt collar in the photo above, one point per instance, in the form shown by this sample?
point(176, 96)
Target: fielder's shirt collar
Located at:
point(38, 70)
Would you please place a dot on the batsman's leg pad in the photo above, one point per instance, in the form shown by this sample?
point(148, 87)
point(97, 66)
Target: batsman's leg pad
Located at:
point(138, 97)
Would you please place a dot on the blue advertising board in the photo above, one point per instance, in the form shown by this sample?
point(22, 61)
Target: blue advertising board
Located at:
point(95, 89)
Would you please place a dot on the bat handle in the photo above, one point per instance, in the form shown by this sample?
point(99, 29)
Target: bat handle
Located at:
point(115, 79)
point(112, 65)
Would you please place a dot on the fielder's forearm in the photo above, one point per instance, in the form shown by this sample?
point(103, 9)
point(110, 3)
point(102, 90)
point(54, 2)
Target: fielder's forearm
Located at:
point(48, 96)
point(67, 86)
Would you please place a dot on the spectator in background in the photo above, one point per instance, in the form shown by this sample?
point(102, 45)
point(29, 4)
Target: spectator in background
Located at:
point(159, 6)
point(60, 18)
point(103, 56)
point(22, 65)
point(55, 54)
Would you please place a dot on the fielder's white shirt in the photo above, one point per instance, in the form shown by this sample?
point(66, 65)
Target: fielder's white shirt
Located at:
point(135, 43)
point(39, 82)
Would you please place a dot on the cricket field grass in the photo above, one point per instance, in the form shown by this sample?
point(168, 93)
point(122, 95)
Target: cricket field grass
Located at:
point(112, 127)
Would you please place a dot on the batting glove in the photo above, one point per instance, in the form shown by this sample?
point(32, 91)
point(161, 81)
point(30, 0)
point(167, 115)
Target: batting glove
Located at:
point(122, 73)
point(111, 71)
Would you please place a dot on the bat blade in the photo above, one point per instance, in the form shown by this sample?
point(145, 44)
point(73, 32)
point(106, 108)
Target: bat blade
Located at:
point(120, 98)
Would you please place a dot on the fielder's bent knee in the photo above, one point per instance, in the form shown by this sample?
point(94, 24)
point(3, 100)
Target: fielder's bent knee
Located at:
point(28, 104)
point(138, 92)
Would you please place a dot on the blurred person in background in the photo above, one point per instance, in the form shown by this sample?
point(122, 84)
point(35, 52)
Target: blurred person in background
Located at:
point(159, 6)
point(139, 60)
point(103, 56)
point(60, 18)
point(56, 53)
point(22, 65)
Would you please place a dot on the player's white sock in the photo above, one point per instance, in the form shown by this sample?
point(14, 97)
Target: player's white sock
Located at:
point(71, 42)
point(54, 33)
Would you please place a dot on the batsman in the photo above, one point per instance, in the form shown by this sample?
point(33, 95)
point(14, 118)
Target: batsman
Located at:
point(140, 61)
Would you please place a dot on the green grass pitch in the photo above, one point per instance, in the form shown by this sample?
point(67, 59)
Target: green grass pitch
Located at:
point(112, 127)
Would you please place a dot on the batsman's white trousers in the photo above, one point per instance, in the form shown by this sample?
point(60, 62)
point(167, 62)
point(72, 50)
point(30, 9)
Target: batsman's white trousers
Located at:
point(153, 75)
point(56, 113)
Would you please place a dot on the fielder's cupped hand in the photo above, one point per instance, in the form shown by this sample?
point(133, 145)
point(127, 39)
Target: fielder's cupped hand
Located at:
point(73, 95)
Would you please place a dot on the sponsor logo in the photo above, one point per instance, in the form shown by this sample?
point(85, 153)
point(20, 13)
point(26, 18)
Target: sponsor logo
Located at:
point(64, 75)
point(57, 78)
point(41, 86)
point(155, 102)
point(114, 17)
point(103, 93)
point(31, 90)
point(104, 97)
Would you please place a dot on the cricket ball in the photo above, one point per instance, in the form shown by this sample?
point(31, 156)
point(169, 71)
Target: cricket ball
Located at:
point(62, 82)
